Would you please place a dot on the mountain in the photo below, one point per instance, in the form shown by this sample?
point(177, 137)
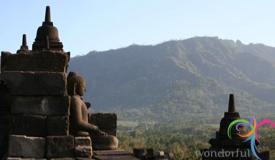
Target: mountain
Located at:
point(185, 80)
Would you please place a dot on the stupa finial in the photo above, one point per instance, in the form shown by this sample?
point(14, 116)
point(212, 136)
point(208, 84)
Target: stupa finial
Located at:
point(24, 47)
point(48, 14)
point(231, 103)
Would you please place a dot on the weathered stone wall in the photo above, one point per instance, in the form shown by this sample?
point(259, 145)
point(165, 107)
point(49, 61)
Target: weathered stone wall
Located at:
point(39, 119)
point(39, 110)
point(38, 61)
point(28, 83)
point(50, 147)
point(4, 117)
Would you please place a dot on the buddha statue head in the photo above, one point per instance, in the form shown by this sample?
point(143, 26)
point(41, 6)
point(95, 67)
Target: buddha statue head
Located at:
point(76, 84)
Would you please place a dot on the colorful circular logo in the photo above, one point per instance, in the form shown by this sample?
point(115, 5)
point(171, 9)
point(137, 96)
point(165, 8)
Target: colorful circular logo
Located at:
point(249, 130)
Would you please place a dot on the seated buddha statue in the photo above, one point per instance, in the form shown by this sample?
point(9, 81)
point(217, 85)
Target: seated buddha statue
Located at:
point(79, 125)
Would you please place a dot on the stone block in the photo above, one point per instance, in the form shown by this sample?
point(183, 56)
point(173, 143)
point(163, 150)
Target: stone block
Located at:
point(58, 125)
point(4, 110)
point(18, 158)
point(82, 141)
point(4, 120)
point(4, 134)
point(82, 158)
point(38, 105)
point(5, 98)
point(13, 158)
point(107, 122)
point(35, 83)
point(28, 125)
point(27, 147)
point(51, 62)
point(60, 146)
point(64, 158)
point(84, 151)
point(4, 138)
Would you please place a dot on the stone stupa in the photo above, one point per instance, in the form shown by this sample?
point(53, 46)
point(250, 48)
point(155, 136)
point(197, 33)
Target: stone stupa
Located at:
point(224, 148)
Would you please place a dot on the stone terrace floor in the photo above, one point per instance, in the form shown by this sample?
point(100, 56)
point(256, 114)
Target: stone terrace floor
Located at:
point(113, 155)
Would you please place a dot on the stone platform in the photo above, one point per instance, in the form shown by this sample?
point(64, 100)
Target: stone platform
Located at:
point(98, 155)
point(113, 155)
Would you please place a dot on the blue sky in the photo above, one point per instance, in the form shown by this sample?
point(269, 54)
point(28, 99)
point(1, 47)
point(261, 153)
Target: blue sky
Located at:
point(87, 25)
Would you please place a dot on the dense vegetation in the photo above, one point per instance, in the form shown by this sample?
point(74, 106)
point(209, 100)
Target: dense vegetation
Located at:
point(184, 142)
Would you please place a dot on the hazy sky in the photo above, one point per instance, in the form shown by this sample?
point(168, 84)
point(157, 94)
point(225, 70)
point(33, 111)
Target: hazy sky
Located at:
point(86, 25)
